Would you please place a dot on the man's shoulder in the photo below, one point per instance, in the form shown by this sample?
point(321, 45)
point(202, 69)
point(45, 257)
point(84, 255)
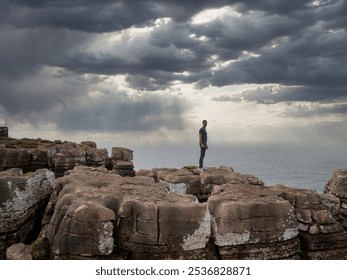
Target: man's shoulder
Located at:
point(202, 130)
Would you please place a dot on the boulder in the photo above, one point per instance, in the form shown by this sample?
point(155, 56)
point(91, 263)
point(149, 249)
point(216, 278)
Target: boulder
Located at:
point(122, 161)
point(332, 203)
point(337, 186)
point(249, 222)
point(85, 229)
point(19, 251)
point(90, 144)
point(226, 175)
point(120, 153)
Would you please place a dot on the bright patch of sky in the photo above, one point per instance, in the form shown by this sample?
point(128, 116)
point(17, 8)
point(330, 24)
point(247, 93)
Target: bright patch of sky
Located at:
point(148, 72)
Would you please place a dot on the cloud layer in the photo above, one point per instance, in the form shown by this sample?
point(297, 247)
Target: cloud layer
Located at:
point(58, 58)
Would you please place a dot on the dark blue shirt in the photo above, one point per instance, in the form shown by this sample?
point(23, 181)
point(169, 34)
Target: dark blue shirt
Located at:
point(203, 133)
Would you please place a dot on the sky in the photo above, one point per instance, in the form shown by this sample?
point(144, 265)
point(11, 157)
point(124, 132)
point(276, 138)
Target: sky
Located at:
point(146, 72)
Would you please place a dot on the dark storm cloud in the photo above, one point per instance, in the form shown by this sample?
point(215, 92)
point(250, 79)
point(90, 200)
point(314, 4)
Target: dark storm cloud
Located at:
point(277, 94)
point(101, 15)
point(229, 37)
point(87, 16)
point(24, 51)
point(316, 58)
point(166, 52)
point(37, 98)
point(307, 53)
point(298, 44)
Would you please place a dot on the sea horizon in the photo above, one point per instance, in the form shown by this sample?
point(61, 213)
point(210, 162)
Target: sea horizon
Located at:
point(293, 166)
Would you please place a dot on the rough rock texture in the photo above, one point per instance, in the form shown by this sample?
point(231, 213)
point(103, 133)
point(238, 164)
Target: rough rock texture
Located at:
point(32, 154)
point(66, 156)
point(253, 223)
point(93, 212)
point(321, 235)
point(189, 180)
point(154, 216)
point(122, 161)
point(98, 213)
point(14, 158)
point(19, 251)
point(337, 186)
point(23, 199)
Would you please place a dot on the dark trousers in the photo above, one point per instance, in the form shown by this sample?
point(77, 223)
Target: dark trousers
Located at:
point(202, 155)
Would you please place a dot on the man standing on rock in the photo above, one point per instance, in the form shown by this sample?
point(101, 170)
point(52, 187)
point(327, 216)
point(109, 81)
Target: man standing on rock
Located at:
point(202, 143)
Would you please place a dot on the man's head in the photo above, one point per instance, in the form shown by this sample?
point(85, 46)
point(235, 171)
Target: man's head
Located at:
point(204, 123)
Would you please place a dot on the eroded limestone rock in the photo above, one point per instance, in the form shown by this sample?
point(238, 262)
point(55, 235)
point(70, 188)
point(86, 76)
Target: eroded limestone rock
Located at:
point(190, 180)
point(58, 156)
point(94, 213)
point(66, 156)
point(337, 186)
point(19, 251)
point(250, 222)
point(98, 214)
point(14, 158)
point(151, 221)
point(23, 199)
point(122, 161)
point(319, 231)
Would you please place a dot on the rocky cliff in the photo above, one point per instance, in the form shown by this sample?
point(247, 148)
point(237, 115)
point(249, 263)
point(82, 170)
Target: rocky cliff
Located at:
point(58, 156)
point(95, 211)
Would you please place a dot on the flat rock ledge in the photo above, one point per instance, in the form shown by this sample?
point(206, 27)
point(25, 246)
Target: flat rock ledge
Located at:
point(186, 214)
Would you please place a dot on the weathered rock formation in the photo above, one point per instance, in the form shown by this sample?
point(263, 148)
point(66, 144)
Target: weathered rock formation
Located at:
point(19, 251)
point(96, 214)
point(32, 154)
point(114, 216)
point(337, 186)
point(23, 199)
point(98, 209)
point(253, 223)
point(65, 156)
point(122, 161)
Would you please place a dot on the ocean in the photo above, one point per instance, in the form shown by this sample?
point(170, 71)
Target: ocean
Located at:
point(298, 167)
